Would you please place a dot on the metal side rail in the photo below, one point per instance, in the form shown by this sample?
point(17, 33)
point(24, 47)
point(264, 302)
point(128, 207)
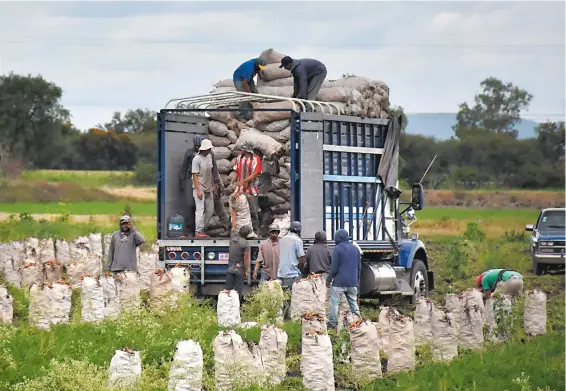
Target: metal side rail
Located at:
point(227, 99)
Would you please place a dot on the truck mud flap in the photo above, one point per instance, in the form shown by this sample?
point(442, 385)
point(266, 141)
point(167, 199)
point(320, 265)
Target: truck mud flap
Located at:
point(430, 276)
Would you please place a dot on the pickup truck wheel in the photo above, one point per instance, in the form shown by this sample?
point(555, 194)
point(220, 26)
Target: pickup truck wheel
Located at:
point(538, 268)
point(419, 280)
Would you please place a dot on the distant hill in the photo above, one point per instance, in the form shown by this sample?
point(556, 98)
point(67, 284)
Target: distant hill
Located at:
point(439, 125)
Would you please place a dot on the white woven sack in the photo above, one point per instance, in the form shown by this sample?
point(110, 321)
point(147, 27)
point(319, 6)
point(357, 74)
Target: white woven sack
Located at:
point(95, 243)
point(228, 308)
point(444, 335)
point(92, 298)
point(364, 351)
point(46, 251)
point(53, 271)
point(128, 290)
point(317, 366)
point(180, 279)
point(497, 312)
point(62, 251)
point(75, 271)
point(147, 263)
point(31, 273)
point(49, 305)
point(453, 302)
point(106, 247)
point(472, 319)
point(236, 365)
point(260, 116)
point(93, 265)
point(273, 348)
point(39, 304)
point(267, 145)
point(312, 326)
point(401, 349)
point(241, 206)
point(308, 296)
point(423, 322)
point(6, 306)
point(534, 317)
point(160, 289)
point(125, 369)
point(111, 297)
point(383, 326)
point(273, 72)
point(186, 370)
point(11, 263)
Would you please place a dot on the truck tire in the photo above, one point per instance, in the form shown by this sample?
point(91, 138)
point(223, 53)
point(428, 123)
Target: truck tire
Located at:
point(419, 280)
point(538, 268)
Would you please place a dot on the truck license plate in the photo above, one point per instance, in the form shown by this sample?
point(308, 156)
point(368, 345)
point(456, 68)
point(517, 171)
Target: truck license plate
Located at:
point(223, 256)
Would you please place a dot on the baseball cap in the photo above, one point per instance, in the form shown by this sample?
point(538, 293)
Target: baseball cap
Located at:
point(285, 61)
point(296, 226)
point(125, 219)
point(274, 227)
point(261, 62)
point(205, 145)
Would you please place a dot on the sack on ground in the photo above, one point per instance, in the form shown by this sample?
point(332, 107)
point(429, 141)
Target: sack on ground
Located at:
point(317, 366)
point(128, 290)
point(62, 251)
point(364, 351)
point(444, 334)
point(273, 348)
point(313, 323)
point(308, 296)
point(147, 262)
point(92, 299)
point(383, 326)
point(497, 313)
point(453, 303)
point(93, 265)
point(260, 141)
point(111, 297)
point(6, 306)
point(228, 308)
point(75, 270)
point(179, 279)
point(95, 243)
point(12, 263)
point(423, 322)
point(125, 369)
point(53, 271)
point(31, 273)
point(160, 288)
point(49, 305)
point(186, 370)
point(401, 349)
point(472, 319)
point(534, 317)
point(46, 251)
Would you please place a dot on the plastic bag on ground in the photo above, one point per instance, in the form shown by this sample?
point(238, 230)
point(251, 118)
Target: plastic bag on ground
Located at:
point(401, 349)
point(317, 365)
point(53, 271)
point(92, 299)
point(423, 322)
point(160, 288)
point(125, 369)
point(273, 348)
point(260, 141)
point(147, 262)
point(228, 308)
point(534, 316)
point(128, 290)
point(308, 296)
point(186, 370)
point(364, 350)
point(95, 243)
point(444, 335)
point(453, 302)
point(62, 251)
point(111, 297)
point(6, 306)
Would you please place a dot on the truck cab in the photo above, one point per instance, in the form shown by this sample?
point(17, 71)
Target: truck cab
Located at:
point(548, 240)
point(342, 174)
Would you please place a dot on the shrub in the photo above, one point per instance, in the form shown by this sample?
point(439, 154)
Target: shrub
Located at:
point(144, 173)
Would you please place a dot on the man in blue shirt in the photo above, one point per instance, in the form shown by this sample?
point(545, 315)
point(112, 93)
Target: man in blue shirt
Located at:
point(244, 82)
point(291, 255)
point(344, 275)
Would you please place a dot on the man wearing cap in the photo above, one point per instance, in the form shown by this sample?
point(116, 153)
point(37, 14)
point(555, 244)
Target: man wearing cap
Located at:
point(308, 76)
point(244, 82)
point(504, 281)
point(268, 256)
point(247, 168)
point(122, 252)
point(203, 187)
point(291, 256)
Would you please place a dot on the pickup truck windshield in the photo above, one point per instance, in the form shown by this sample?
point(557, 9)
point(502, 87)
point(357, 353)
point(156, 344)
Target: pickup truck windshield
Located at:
point(552, 219)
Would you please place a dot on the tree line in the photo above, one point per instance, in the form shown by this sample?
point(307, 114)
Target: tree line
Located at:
point(36, 131)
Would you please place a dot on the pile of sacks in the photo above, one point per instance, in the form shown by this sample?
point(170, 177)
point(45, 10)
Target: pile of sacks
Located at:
point(270, 131)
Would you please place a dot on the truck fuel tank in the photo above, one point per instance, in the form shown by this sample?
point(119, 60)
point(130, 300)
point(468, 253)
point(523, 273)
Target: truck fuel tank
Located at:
point(377, 277)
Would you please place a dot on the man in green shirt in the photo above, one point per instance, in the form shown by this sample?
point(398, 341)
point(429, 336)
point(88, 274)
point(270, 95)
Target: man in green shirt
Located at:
point(503, 281)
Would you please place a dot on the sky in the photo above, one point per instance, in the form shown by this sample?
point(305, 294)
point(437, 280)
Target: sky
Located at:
point(114, 56)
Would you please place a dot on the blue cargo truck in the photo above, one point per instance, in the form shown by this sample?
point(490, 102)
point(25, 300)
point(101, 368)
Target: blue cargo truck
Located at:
point(343, 174)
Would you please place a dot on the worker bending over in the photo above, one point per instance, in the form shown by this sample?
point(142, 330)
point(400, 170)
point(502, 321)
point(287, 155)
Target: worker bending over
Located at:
point(493, 281)
point(308, 76)
point(244, 82)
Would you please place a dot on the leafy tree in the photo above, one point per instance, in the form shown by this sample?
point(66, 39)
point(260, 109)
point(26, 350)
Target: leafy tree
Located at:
point(133, 121)
point(106, 150)
point(496, 109)
point(550, 140)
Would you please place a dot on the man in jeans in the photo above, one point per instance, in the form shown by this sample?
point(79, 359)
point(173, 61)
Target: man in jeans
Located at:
point(291, 256)
point(203, 188)
point(344, 276)
point(238, 260)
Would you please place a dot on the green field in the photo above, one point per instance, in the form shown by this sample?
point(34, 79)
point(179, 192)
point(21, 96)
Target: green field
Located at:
point(84, 178)
point(81, 208)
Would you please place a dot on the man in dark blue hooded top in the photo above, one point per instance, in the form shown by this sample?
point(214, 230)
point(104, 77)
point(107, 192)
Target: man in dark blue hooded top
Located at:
point(344, 275)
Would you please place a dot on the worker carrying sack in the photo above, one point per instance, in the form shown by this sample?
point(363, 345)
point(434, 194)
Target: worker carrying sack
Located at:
point(228, 308)
point(534, 317)
point(364, 342)
point(317, 366)
point(125, 369)
point(186, 370)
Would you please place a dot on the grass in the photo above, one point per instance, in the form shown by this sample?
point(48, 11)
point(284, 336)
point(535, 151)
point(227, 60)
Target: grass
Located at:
point(83, 178)
point(81, 208)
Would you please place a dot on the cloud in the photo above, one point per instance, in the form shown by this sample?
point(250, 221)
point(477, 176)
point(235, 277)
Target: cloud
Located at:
point(433, 55)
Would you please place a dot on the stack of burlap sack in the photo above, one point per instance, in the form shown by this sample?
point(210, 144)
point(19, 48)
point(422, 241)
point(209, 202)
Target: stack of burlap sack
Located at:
point(270, 131)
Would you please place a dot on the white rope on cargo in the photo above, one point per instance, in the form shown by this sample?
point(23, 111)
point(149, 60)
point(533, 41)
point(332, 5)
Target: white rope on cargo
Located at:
point(223, 99)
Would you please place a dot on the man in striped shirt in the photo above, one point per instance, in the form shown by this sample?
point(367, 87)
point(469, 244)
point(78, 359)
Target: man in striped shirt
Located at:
point(247, 168)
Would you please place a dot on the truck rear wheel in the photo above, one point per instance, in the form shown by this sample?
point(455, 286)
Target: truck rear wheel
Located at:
point(419, 280)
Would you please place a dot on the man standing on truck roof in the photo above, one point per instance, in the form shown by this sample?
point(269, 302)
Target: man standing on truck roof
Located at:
point(308, 76)
point(268, 256)
point(291, 256)
point(247, 168)
point(203, 188)
point(244, 82)
point(186, 187)
point(269, 168)
point(504, 281)
point(318, 256)
point(238, 260)
point(123, 243)
point(344, 276)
